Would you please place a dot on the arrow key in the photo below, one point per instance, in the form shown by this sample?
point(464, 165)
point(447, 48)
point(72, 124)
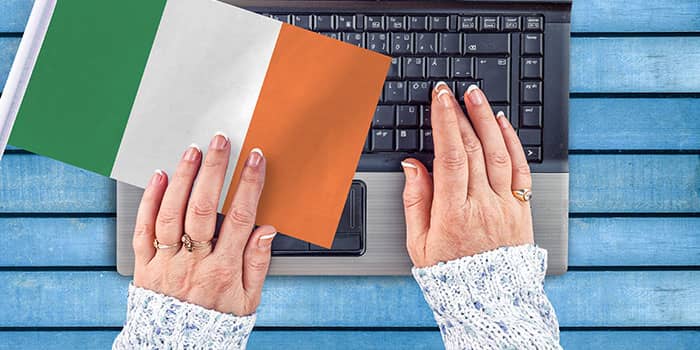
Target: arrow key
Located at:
point(533, 154)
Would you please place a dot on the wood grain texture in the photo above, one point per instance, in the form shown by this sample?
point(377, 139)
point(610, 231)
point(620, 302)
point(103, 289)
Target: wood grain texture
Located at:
point(341, 340)
point(14, 15)
point(8, 49)
point(582, 299)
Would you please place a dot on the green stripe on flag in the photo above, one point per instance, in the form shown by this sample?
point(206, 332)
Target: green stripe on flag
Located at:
point(85, 80)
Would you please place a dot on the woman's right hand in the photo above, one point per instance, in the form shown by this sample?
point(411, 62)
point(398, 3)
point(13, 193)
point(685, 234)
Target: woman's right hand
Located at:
point(467, 207)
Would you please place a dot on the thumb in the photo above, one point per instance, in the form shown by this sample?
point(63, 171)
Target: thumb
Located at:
point(256, 261)
point(417, 200)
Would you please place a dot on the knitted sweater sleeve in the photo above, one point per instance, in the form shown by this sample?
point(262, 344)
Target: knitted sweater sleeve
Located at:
point(492, 300)
point(156, 321)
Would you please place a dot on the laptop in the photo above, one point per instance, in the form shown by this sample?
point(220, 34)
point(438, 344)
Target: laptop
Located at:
point(516, 51)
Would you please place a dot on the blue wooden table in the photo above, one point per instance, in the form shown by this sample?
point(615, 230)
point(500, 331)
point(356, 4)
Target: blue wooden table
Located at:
point(634, 279)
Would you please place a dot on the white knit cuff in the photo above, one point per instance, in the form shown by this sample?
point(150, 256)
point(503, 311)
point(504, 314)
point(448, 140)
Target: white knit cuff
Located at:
point(155, 320)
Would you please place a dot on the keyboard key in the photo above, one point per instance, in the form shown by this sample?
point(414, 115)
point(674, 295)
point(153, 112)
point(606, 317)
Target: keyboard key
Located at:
point(495, 73)
point(413, 67)
point(374, 23)
point(394, 91)
point(323, 23)
point(419, 92)
point(425, 117)
point(534, 24)
point(286, 243)
point(437, 67)
point(333, 35)
point(531, 44)
point(497, 43)
point(378, 42)
point(530, 137)
point(531, 91)
point(489, 23)
point(383, 117)
point(408, 116)
point(303, 21)
point(346, 23)
point(426, 43)
point(426, 144)
point(395, 68)
point(531, 68)
point(401, 43)
point(359, 22)
point(533, 154)
point(417, 23)
point(407, 140)
point(531, 116)
point(462, 86)
point(462, 67)
point(439, 23)
point(467, 23)
point(368, 144)
point(511, 23)
point(396, 23)
point(449, 43)
point(353, 38)
point(383, 140)
point(282, 18)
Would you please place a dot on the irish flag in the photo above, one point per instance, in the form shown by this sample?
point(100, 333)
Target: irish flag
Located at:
point(123, 87)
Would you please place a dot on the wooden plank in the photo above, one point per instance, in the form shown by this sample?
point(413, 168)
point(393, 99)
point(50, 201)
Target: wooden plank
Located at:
point(582, 299)
point(8, 49)
point(635, 16)
point(352, 339)
point(14, 15)
point(593, 242)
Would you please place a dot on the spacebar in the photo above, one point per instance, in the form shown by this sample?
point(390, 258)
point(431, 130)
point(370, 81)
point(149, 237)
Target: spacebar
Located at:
point(390, 161)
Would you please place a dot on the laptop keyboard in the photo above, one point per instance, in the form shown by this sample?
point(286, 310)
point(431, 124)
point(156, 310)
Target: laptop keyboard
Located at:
point(503, 55)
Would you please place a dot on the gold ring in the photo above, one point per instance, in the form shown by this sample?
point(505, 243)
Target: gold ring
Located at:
point(191, 244)
point(523, 195)
point(159, 245)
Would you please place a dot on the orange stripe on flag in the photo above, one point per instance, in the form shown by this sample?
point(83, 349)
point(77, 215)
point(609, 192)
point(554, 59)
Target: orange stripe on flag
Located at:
point(311, 120)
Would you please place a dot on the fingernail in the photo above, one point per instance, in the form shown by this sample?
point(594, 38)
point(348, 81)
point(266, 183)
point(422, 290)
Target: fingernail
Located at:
point(254, 157)
point(219, 141)
point(444, 97)
point(502, 120)
point(157, 177)
point(439, 84)
point(409, 169)
point(474, 95)
point(266, 240)
point(192, 152)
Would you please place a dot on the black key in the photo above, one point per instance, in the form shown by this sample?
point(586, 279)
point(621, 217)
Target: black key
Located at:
point(282, 18)
point(437, 67)
point(346, 23)
point(419, 92)
point(286, 243)
point(333, 35)
point(462, 86)
point(495, 73)
point(531, 91)
point(467, 23)
point(530, 136)
point(425, 117)
point(417, 23)
point(489, 23)
point(531, 68)
point(408, 116)
point(396, 23)
point(382, 140)
point(533, 154)
point(462, 67)
point(511, 23)
point(534, 24)
point(343, 242)
point(395, 68)
point(401, 43)
point(353, 38)
point(439, 23)
point(487, 43)
point(531, 44)
point(359, 22)
point(426, 144)
point(368, 144)
point(413, 67)
point(449, 43)
point(378, 42)
point(383, 117)
point(322, 22)
point(531, 116)
point(374, 23)
point(426, 43)
point(395, 91)
point(407, 140)
point(303, 21)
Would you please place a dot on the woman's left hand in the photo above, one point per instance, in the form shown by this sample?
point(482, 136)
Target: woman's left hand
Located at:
point(227, 277)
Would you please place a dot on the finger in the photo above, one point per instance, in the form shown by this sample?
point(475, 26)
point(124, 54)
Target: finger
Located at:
point(478, 180)
point(450, 165)
point(200, 220)
point(145, 228)
point(417, 201)
point(498, 165)
point(521, 170)
point(256, 261)
point(171, 216)
point(240, 219)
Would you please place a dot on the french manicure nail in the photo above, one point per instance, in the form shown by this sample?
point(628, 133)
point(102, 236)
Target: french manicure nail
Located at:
point(474, 95)
point(254, 157)
point(410, 169)
point(439, 84)
point(266, 240)
point(502, 121)
point(192, 152)
point(444, 97)
point(219, 141)
point(157, 176)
